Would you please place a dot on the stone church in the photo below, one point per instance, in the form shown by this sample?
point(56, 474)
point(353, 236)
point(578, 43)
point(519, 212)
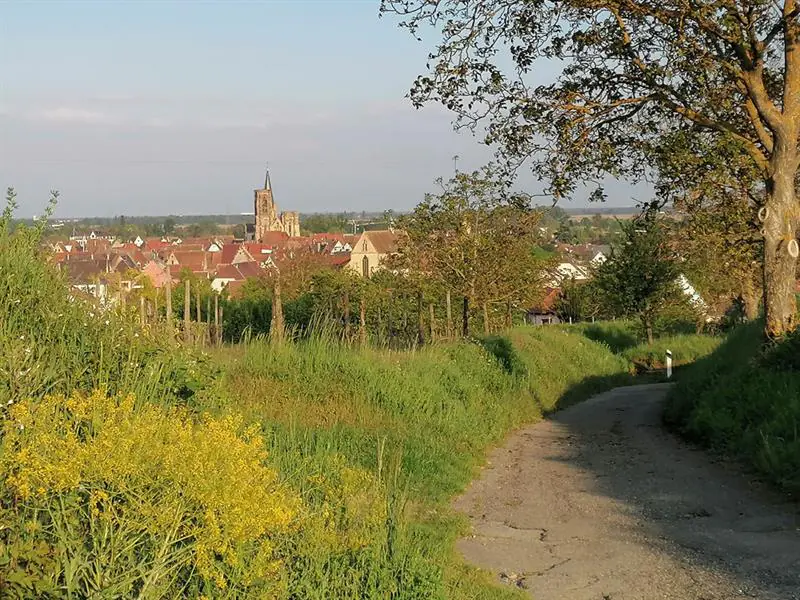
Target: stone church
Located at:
point(267, 217)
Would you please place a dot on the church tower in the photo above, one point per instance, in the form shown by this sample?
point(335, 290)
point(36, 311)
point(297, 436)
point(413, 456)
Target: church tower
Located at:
point(267, 217)
point(266, 212)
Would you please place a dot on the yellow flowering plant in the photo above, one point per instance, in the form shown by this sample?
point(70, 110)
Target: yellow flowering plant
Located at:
point(143, 501)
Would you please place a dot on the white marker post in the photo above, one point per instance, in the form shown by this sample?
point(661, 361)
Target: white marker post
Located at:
point(669, 364)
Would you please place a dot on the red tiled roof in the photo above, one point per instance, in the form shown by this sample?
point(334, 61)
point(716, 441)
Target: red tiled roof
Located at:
point(228, 272)
point(194, 260)
point(250, 269)
point(274, 238)
point(228, 253)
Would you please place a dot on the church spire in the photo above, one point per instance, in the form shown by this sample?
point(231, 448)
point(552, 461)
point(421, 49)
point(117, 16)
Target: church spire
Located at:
point(267, 182)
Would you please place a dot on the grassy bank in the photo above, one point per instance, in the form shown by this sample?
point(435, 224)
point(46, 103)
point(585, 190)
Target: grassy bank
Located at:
point(745, 402)
point(419, 420)
point(132, 466)
point(623, 338)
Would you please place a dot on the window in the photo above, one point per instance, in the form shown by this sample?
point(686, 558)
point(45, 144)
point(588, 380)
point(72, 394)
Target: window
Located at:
point(365, 266)
point(364, 246)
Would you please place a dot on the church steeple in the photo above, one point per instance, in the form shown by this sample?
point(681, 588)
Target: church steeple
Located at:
point(267, 182)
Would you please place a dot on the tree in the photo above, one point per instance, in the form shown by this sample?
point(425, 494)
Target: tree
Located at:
point(714, 190)
point(633, 70)
point(640, 277)
point(475, 240)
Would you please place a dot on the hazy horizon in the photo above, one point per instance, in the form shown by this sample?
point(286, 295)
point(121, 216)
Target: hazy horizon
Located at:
point(175, 108)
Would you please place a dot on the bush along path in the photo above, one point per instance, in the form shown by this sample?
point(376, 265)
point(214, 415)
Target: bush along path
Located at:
point(600, 502)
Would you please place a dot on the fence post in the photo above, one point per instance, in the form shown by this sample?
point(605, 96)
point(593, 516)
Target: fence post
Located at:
point(669, 364)
point(187, 310)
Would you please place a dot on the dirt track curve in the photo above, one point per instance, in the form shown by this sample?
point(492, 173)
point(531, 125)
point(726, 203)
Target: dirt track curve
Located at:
point(600, 503)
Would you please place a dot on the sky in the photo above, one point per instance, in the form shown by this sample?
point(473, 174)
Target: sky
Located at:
point(156, 107)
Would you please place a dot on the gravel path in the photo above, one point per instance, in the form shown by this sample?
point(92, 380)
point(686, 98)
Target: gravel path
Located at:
point(600, 503)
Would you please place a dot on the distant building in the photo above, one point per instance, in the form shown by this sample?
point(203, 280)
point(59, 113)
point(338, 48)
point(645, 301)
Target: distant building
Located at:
point(370, 249)
point(267, 217)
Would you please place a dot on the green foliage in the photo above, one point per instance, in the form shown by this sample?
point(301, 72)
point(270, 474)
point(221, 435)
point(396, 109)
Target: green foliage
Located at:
point(639, 278)
point(745, 403)
point(54, 341)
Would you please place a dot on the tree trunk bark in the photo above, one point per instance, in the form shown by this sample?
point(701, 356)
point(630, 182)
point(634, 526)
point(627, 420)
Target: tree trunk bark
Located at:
point(780, 244)
point(142, 316)
point(187, 311)
point(276, 326)
point(509, 319)
point(221, 329)
point(465, 318)
point(362, 320)
point(486, 327)
point(420, 320)
point(449, 317)
point(749, 300)
point(648, 327)
point(432, 315)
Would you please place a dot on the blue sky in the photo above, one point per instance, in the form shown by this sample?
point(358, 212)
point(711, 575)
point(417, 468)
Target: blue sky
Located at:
point(174, 107)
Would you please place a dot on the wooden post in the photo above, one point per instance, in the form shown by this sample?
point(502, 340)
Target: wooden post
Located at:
point(465, 318)
point(276, 330)
point(362, 320)
point(433, 321)
point(217, 337)
point(187, 310)
point(486, 328)
point(208, 321)
point(197, 305)
point(142, 316)
point(420, 320)
point(169, 301)
point(449, 317)
point(346, 312)
point(221, 326)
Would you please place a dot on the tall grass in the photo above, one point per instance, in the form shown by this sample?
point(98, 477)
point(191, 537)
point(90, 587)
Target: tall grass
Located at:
point(131, 466)
point(426, 416)
point(745, 402)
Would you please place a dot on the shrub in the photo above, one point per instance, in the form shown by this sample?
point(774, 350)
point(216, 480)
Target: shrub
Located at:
point(144, 502)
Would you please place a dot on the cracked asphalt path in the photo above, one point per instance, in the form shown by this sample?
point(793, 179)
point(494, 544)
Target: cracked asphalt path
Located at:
point(600, 503)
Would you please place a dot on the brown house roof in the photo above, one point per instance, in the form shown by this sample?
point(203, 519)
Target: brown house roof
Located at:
point(385, 242)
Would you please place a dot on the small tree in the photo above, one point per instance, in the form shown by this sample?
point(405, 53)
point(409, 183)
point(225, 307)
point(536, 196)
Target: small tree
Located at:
point(640, 277)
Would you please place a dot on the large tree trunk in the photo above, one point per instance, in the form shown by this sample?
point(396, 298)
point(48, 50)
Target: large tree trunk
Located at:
point(780, 244)
point(486, 326)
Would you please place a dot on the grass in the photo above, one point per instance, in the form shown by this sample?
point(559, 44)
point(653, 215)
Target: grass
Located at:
point(115, 438)
point(744, 402)
point(623, 338)
point(431, 413)
point(119, 438)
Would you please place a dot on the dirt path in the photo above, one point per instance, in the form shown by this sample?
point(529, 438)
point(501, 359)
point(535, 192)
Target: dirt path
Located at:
point(599, 503)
